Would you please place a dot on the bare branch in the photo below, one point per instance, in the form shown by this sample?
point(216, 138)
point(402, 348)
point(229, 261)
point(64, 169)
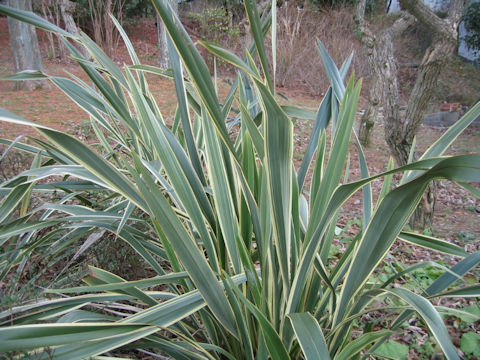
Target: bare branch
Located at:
point(456, 10)
point(455, 13)
point(426, 16)
point(402, 23)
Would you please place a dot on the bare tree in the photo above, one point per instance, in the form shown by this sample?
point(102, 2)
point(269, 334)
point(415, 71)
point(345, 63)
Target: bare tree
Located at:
point(162, 36)
point(104, 30)
point(25, 49)
point(400, 134)
point(400, 130)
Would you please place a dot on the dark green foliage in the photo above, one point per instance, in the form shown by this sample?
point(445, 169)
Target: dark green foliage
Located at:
point(470, 344)
point(331, 3)
point(472, 25)
point(214, 25)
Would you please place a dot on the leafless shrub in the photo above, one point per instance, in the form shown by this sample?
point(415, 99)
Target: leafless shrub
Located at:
point(298, 63)
point(104, 31)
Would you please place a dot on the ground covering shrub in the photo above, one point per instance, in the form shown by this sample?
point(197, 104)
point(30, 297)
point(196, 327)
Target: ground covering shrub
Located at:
point(239, 244)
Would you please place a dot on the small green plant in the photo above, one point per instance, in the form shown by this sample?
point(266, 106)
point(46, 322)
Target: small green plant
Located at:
point(427, 275)
point(470, 344)
point(237, 239)
point(393, 350)
point(425, 347)
point(214, 25)
point(465, 236)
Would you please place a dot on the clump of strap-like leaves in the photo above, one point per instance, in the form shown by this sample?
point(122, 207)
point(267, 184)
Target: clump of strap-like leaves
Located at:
point(245, 238)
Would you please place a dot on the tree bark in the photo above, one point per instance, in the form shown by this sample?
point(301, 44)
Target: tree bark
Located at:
point(25, 49)
point(67, 9)
point(164, 60)
point(382, 69)
point(47, 14)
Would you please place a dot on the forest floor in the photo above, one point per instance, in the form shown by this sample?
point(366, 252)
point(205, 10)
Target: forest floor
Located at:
point(457, 213)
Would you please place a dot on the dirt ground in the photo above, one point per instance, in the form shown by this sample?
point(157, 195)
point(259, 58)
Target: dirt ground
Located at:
point(457, 212)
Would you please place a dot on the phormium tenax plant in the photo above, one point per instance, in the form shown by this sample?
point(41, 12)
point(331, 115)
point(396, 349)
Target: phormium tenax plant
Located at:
point(246, 241)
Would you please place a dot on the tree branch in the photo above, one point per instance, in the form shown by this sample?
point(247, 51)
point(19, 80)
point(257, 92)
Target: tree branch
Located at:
point(455, 11)
point(439, 27)
point(426, 16)
point(402, 23)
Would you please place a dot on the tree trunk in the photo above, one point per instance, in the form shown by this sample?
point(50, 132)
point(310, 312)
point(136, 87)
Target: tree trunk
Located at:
point(25, 49)
point(164, 61)
point(61, 46)
point(382, 69)
point(369, 42)
point(47, 14)
point(67, 8)
point(400, 134)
